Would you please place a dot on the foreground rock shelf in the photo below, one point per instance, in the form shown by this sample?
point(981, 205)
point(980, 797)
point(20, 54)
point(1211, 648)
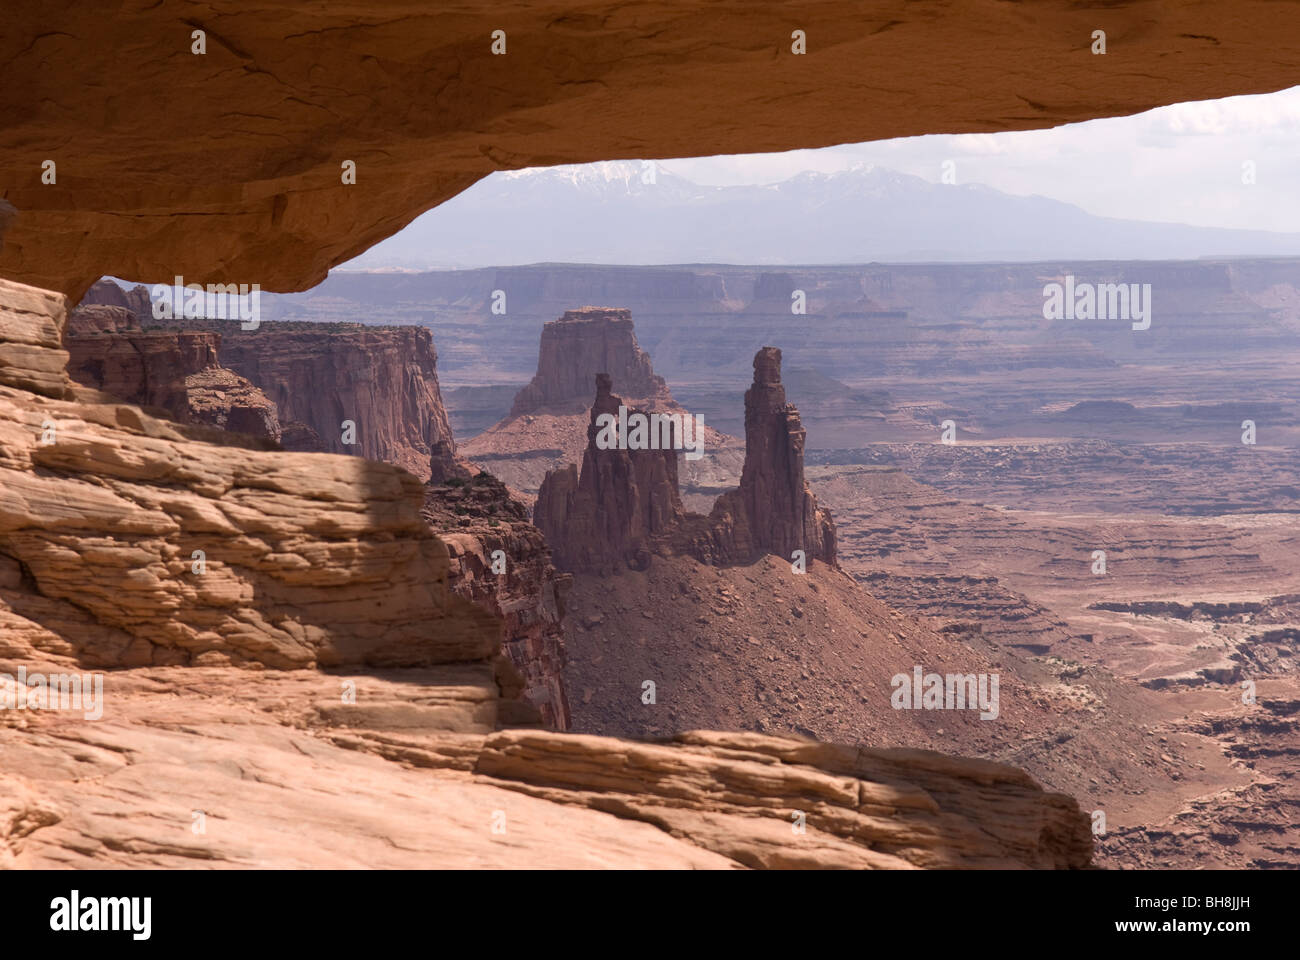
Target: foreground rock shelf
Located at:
point(279, 773)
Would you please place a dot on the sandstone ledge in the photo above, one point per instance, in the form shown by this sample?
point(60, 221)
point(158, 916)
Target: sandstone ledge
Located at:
point(287, 776)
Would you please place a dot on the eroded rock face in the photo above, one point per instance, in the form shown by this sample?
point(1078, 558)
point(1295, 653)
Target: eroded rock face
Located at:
point(162, 549)
point(144, 368)
point(91, 319)
point(624, 505)
point(382, 379)
point(317, 376)
point(774, 511)
point(263, 198)
point(104, 292)
point(579, 345)
point(176, 372)
point(500, 562)
point(622, 501)
point(227, 401)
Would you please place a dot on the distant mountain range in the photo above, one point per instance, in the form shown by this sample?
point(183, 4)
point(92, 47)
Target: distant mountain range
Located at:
point(608, 213)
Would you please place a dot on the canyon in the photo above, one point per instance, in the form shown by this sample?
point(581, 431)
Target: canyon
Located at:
point(241, 577)
point(639, 565)
point(970, 542)
point(316, 652)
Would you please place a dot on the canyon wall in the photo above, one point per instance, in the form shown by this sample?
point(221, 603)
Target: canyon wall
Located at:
point(501, 562)
point(382, 379)
point(385, 374)
point(176, 372)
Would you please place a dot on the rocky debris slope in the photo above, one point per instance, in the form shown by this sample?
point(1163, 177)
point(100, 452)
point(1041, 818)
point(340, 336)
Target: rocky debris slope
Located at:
point(208, 767)
point(760, 647)
point(500, 562)
point(624, 505)
point(547, 426)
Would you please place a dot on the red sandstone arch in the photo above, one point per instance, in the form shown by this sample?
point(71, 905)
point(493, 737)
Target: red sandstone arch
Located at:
point(227, 165)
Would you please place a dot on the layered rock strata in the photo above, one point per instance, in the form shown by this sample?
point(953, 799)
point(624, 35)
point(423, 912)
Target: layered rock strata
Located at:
point(177, 372)
point(500, 563)
point(383, 380)
point(161, 551)
point(412, 777)
point(335, 388)
point(583, 342)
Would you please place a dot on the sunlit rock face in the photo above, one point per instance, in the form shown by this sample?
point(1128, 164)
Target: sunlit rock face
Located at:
point(135, 543)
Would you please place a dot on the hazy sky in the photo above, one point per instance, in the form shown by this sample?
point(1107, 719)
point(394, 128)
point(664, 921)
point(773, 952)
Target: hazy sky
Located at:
point(1182, 163)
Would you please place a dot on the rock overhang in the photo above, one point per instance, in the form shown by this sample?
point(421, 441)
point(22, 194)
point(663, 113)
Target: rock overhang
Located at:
point(228, 164)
